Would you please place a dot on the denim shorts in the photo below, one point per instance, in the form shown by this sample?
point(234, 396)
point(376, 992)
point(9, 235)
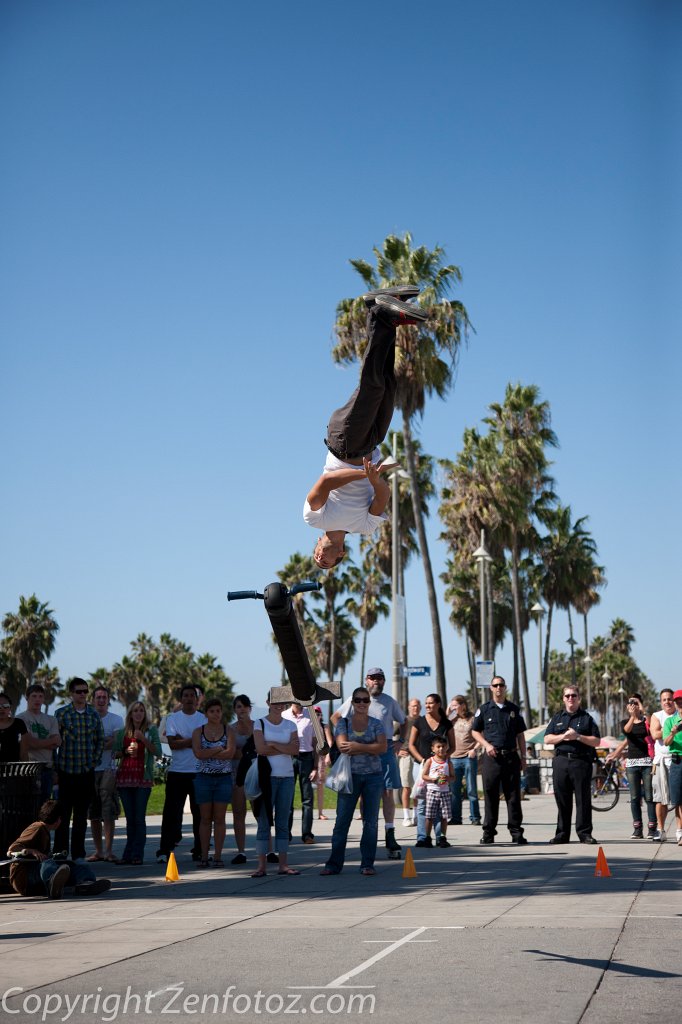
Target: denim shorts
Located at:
point(213, 788)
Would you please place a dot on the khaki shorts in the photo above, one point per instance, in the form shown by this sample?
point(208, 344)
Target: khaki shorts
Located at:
point(405, 765)
point(661, 790)
point(104, 806)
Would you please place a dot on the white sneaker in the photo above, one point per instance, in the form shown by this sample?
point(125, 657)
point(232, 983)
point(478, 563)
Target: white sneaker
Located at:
point(663, 835)
point(678, 835)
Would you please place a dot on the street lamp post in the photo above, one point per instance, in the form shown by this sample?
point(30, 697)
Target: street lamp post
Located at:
point(572, 641)
point(606, 680)
point(397, 598)
point(538, 611)
point(481, 555)
point(621, 694)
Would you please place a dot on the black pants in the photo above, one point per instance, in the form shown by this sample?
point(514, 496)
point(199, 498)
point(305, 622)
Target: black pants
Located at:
point(179, 786)
point(303, 765)
point(75, 795)
point(362, 423)
point(502, 771)
point(572, 777)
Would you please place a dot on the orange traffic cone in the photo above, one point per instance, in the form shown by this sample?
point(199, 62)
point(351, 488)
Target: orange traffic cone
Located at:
point(601, 868)
point(409, 870)
point(172, 869)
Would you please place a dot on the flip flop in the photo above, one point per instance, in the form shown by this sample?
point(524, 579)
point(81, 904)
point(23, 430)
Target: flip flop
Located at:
point(93, 857)
point(328, 871)
point(111, 859)
point(367, 871)
point(288, 871)
point(259, 874)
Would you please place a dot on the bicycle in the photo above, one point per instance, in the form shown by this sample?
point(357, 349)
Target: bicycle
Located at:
point(605, 787)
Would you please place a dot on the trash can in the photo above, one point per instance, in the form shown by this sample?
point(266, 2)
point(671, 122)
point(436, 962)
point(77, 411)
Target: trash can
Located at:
point(19, 799)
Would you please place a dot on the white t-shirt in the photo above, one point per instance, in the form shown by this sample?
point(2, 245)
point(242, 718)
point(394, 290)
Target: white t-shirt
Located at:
point(111, 723)
point(182, 725)
point(347, 507)
point(280, 764)
point(304, 726)
point(384, 707)
point(660, 749)
point(41, 726)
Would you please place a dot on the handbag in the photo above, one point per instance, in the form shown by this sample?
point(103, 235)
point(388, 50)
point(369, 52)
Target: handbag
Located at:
point(650, 745)
point(251, 782)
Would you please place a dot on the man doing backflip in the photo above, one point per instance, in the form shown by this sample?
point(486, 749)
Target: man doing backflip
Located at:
point(351, 496)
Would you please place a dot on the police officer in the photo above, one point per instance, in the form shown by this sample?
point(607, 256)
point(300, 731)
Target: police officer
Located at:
point(499, 728)
point(575, 735)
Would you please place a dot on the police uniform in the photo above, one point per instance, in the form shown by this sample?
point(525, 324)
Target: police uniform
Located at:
point(572, 774)
point(501, 726)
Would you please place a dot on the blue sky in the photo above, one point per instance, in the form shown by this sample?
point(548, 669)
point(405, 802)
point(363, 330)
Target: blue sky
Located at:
point(181, 188)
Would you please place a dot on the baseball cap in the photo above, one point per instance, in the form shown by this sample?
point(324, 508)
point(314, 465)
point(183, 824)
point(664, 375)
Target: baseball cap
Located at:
point(375, 672)
point(677, 695)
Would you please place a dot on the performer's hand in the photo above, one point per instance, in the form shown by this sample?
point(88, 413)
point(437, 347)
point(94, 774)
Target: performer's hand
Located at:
point(371, 470)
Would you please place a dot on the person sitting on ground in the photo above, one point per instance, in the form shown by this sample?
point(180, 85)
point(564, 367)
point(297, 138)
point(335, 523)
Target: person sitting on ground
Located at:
point(351, 496)
point(36, 873)
point(437, 774)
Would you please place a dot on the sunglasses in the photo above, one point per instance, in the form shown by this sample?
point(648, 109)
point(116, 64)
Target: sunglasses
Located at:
point(570, 696)
point(498, 686)
point(81, 692)
point(361, 700)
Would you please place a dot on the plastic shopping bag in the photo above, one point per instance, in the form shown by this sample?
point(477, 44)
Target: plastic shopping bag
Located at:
point(339, 777)
point(251, 783)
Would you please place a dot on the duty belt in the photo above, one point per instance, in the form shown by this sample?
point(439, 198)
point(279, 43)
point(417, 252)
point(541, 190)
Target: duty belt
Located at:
point(575, 757)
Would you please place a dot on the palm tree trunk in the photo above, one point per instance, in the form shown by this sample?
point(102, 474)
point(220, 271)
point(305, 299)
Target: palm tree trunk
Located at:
point(518, 634)
point(491, 614)
point(570, 633)
point(471, 658)
point(426, 562)
point(362, 659)
point(545, 673)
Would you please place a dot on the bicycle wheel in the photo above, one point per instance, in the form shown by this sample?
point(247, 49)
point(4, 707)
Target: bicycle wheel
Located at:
point(604, 794)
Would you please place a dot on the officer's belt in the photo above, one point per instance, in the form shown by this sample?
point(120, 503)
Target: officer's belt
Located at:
point(575, 757)
point(506, 753)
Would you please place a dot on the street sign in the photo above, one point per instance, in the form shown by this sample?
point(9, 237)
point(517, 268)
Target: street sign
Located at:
point(418, 670)
point(485, 670)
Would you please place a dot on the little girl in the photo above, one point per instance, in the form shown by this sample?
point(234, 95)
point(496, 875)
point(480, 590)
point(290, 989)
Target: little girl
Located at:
point(436, 773)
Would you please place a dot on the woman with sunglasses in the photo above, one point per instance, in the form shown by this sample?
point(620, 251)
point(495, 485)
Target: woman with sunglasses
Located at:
point(434, 724)
point(364, 740)
point(13, 734)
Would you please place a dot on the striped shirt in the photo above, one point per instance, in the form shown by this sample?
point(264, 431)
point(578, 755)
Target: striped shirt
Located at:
point(82, 740)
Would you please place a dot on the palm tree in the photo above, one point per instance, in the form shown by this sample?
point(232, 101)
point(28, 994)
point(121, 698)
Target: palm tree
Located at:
point(298, 569)
point(30, 635)
point(48, 677)
point(420, 369)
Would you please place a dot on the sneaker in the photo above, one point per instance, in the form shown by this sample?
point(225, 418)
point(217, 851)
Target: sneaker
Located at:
point(309, 840)
point(391, 843)
point(443, 843)
point(476, 821)
point(428, 843)
point(663, 836)
point(401, 291)
point(420, 842)
point(637, 832)
point(161, 858)
point(655, 834)
point(239, 859)
point(58, 881)
point(400, 313)
point(93, 888)
point(678, 835)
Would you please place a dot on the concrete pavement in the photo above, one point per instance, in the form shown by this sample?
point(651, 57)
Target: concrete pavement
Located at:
point(497, 933)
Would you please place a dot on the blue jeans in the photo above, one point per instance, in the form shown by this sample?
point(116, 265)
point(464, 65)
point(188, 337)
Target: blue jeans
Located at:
point(464, 768)
point(639, 778)
point(282, 797)
point(134, 800)
point(369, 787)
point(79, 872)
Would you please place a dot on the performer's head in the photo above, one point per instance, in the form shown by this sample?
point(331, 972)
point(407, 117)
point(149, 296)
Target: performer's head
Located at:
point(329, 551)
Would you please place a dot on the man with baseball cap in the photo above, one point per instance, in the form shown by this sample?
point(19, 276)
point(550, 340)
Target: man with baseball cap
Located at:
point(388, 711)
point(672, 738)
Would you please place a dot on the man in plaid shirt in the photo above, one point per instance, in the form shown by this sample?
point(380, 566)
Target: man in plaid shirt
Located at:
point(80, 751)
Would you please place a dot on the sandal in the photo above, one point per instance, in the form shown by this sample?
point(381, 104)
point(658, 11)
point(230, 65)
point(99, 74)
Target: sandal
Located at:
point(367, 871)
point(111, 859)
point(259, 874)
point(288, 871)
point(328, 871)
point(203, 864)
point(93, 857)
point(322, 817)
point(218, 864)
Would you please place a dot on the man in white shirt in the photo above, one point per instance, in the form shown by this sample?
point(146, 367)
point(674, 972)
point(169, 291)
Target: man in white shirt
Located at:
point(662, 758)
point(43, 737)
point(351, 496)
point(180, 776)
point(304, 769)
point(104, 807)
point(388, 711)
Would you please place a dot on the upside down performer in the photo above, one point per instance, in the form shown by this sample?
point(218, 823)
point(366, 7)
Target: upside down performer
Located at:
point(351, 495)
